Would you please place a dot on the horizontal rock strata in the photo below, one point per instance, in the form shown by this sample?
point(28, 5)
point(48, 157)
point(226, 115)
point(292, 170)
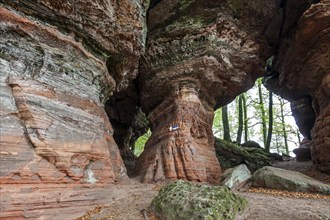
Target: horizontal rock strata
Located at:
point(199, 56)
point(303, 74)
point(50, 111)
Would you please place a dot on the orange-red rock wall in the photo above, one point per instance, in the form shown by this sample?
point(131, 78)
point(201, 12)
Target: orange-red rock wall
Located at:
point(53, 126)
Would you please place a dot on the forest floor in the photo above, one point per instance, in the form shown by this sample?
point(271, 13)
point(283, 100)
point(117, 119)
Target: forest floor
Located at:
point(132, 199)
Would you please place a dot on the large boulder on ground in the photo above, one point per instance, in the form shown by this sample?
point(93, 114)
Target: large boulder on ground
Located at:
point(303, 153)
point(236, 177)
point(231, 155)
point(186, 200)
point(251, 144)
point(276, 156)
point(276, 178)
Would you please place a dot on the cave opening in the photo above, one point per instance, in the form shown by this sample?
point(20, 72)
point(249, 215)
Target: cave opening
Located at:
point(130, 126)
point(249, 118)
point(248, 123)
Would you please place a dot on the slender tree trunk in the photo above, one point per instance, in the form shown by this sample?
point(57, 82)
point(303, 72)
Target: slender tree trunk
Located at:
point(263, 114)
point(285, 135)
point(240, 119)
point(270, 122)
point(298, 135)
point(225, 122)
point(245, 119)
point(277, 147)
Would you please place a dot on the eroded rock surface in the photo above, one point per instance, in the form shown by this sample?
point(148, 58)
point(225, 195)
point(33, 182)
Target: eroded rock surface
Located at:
point(59, 63)
point(199, 56)
point(303, 76)
point(303, 153)
point(58, 66)
point(181, 146)
point(236, 177)
point(114, 30)
point(52, 115)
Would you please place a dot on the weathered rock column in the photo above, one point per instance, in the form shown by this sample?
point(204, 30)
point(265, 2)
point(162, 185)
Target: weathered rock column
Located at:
point(198, 57)
point(303, 71)
point(321, 130)
point(182, 144)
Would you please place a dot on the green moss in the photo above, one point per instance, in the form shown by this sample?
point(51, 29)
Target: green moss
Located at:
point(231, 155)
point(236, 5)
point(2, 55)
point(186, 200)
point(187, 23)
point(184, 4)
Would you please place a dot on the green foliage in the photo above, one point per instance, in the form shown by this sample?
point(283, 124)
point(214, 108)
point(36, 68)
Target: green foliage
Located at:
point(217, 124)
point(140, 143)
point(256, 117)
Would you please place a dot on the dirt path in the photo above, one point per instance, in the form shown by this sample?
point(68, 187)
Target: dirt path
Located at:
point(126, 200)
point(269, 207)
point(133, 197)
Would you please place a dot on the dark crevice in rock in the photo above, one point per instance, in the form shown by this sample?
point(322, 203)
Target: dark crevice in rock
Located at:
point(303, 112)
point(128, 121)
point(153, 3)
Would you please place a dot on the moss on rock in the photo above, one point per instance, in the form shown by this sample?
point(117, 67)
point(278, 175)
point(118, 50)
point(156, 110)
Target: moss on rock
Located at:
point(231, 155)
point(276, 178)
point(185, 200)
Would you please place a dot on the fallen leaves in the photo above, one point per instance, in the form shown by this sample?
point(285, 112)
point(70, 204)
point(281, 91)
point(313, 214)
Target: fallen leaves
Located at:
point(285, 193)
point(317, 175)
point(88, 214)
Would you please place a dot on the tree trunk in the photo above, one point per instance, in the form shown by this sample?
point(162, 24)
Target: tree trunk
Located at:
point(263, 114)
point(298, 136)
point(277, 146)
point(240, 119)
point(225, 122)
point(270, 122)
point(285, 135)
point(245, 119)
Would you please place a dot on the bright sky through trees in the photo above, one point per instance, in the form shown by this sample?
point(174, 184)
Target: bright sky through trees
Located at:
point(254, 121)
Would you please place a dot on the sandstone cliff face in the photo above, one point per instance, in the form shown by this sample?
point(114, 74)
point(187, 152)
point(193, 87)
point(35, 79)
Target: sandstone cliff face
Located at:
point(199, 55)
point(303, 78)
point(59, 62)
point(114, 30)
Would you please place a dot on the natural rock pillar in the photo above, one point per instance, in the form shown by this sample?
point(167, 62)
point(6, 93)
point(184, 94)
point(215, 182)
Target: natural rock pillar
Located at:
point(321, 130)
point(182, 143)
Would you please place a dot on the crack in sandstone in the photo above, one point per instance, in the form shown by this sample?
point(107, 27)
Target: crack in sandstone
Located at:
point(25, 116)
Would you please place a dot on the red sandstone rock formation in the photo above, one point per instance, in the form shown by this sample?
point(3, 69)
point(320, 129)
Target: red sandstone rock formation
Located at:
point(58, 66)
point(114, 30)
point(181, 146)
point(60, 62)
point(54, 82)
point(303, 74)
point(198, 56)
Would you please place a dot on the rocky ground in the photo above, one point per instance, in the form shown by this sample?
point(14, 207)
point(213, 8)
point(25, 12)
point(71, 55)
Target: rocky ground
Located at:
point(132, 198)
point(128, 200)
